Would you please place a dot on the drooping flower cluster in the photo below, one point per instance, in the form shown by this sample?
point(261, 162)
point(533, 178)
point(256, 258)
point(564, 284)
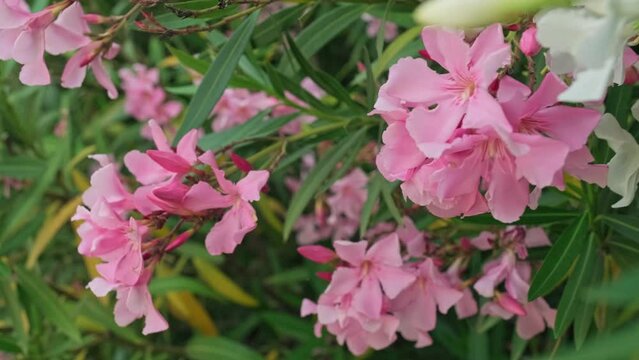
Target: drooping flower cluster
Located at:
point(237, 106)
point(400, 282)
point(145, 99)
point(462, 148)
point(57, 29)
point(177, 186)
point(344, 204)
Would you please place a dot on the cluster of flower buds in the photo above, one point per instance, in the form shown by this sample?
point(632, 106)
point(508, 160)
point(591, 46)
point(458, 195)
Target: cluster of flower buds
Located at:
point(57, 29)
point(398, 282)
point(130, 232)
point(473, 140)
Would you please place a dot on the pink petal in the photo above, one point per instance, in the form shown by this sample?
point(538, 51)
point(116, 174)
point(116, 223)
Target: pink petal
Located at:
point(394, 280)
point(202, 196)
point(484, 110)
point(568, 124)
point(536, 237)
point(251, 185)
point(543, 160)
point(412, 80)
point(186, 146)
point(74, 72)
point(145, 169)
point(547, 93)
point(7, 40)
point(507, 197)
point(430, 129)
point(229, 232)
point(60, 40)
point(447, 47)
point(368, 298)
point(317, 253)
point(351, 252)
point(12, 16)
point(170, 161)
point(488, 54)
point(399, 155)
point(385, 251)
point(103, 78)
point(35, 73)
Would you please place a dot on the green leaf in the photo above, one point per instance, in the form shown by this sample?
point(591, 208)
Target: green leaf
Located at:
point(47, 302)
point(586, 311)
point(619, 292)
point(270, 29)
point(322, 79)
point(219, 348)
point(316, 177)
point(289, 326)
point(324, 29)
point(539, 216)
point(9, 345)
point(20, 215)
point(256, 127)
point(12, 304)
point(621, 344)
point(387, 195)
point(188, 60)
point(518, 346)
point(560, 258)
point(572, 296)
point(626, 225)
point(163, 285)
point(217, 77)
point(90, 308)
point(375, 185)
point(21, 167)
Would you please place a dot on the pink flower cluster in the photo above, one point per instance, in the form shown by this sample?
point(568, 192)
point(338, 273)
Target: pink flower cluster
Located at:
point(57, 29)
point(471, 140)
point(398, 285)
point(374, 26)
point(345, 201)
point(237, 106)
point(177, 186)
point(145, 98)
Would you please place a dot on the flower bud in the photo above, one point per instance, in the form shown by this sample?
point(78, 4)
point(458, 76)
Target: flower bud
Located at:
point(317, 253)
point(509, 304)
point(528, 42)
point(241, 163)
point(178, 241)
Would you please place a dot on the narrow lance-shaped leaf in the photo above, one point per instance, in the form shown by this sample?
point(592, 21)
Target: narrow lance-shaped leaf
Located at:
point(560, 258)
point(217, 77)
point(572, 297)
point(219, 348)
point(374, 189)
point(585, 314)
point(46, 302)
point(626, 225)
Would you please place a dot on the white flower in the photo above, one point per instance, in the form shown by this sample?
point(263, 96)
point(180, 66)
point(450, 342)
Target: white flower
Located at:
point(589, 42)
point(623, 168)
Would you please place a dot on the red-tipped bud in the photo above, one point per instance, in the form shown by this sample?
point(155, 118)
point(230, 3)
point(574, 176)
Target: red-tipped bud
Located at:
point(632, 76)
point(513, 27)
point(425, 54)
point(317, 253)
point(95, 19)
point(241, 163)
point(324, 275)
point(493, 87)
point(438, 262)
point(140, 25)
point(511, 305)
point(361, 67)
point(465, 244)
point(178, 241)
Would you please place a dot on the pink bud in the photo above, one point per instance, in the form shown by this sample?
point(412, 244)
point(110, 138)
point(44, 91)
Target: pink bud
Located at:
point(317, 253)
point(513, 27)
point(528, 42)
point(425, 54)
point(241, 163)
point(632, 76)
point(178, 241)
point(324, 275)
point(94, 19)
point(361, 67)
point(510, 304)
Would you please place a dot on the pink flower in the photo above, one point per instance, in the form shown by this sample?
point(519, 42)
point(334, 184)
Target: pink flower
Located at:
point(374, 25)
point(25, 36)
point(240, 219)
point(462, 93)
point(145, 99)
point(528, 42)
point(370, 272)
point(348, 196)
point(237, 106)
point(416, 306)
point(466, 306)
point(293, 127)
point(133, 302)
point(107, 186)
point(90, 56)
